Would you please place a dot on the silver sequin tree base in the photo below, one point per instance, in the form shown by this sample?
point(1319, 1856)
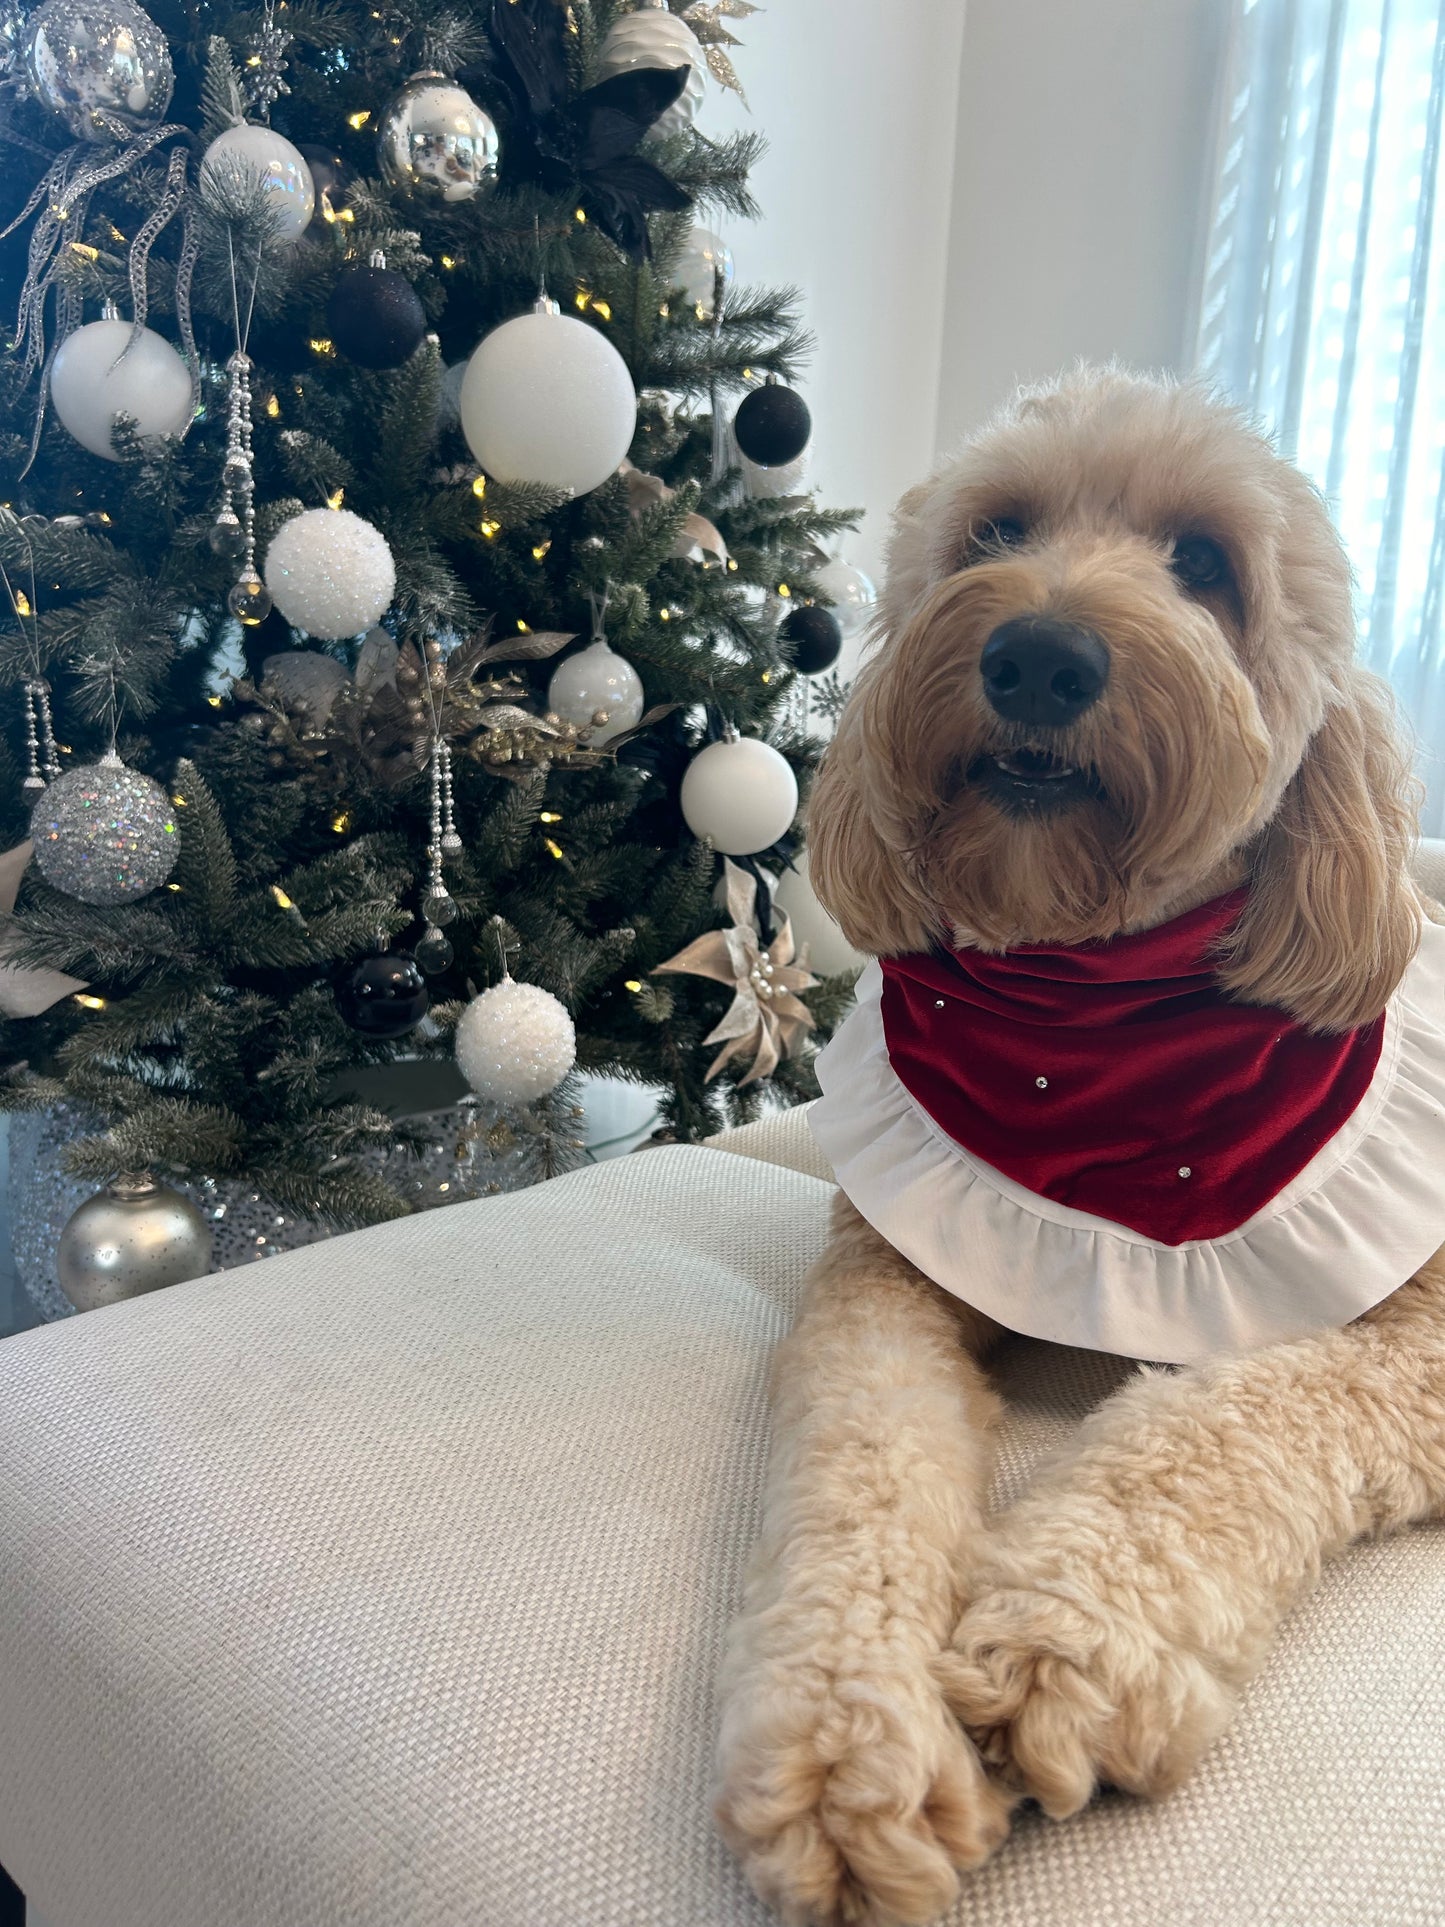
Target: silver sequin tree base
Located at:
point(246, 1225)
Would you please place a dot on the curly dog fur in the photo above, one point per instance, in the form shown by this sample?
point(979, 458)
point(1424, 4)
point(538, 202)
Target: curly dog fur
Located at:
point(906, 1668)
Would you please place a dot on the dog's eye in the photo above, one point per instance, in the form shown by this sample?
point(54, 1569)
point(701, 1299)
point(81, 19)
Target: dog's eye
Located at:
point(1199, 563)
point(1005, 532)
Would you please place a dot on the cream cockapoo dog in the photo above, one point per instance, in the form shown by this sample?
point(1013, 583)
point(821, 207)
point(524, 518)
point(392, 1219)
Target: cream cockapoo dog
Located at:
point(1114, 715)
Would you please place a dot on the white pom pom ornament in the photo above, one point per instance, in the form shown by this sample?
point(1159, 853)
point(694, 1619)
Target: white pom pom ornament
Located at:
point(330, 573)
point(548, 399)
point(515, 1043)
point(741, 793)
point(99, 373)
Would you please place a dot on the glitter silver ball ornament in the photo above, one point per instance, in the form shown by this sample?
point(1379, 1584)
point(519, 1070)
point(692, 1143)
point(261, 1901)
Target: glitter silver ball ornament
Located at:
point(330, 573)
point(434, 141)
point(102, 65)
point(105, 834)
point(134, 1236)
point(515, 1043)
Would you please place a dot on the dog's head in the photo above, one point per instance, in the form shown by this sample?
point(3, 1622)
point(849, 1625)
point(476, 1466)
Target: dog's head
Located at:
point(1115, 679)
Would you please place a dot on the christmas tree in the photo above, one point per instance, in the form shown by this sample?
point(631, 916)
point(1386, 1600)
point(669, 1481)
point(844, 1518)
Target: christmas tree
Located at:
point(389, 612)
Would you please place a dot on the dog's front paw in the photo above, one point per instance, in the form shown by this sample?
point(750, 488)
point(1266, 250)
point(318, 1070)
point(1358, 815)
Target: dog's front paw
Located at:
point(854, 1797)
point(1063, 1691)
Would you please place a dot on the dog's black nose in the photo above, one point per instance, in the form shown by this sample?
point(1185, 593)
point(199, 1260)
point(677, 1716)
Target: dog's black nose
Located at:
point(1039, 670)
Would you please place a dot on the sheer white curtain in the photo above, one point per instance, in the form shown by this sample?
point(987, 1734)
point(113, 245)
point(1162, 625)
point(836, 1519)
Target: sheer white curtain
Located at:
point(1323, 303)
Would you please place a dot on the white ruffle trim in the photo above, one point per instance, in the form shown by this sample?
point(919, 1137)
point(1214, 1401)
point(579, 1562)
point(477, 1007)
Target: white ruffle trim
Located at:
point(1353, 1226)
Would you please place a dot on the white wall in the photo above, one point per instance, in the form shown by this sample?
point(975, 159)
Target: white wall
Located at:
point(857, 100)
point(969, 196)
point(1085, 137)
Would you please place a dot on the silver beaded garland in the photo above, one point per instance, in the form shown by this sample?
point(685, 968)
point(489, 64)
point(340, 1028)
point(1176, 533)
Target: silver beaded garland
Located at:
point(37, 712)
point(234, 534)
point(104, 834)
point(438, 905)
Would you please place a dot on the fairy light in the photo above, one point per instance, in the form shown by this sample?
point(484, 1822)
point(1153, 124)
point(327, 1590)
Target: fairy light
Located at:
point(490, 529)
point(448, 261)
point(579, 216)
point(341, 824)
point(180, 802)
point(89, 1003)
point(540, 551)
point(273, 407)
point(479, 487)
point(664, 615)
point(214, 701)
point(555, 848)
point(358, 121)
point(784, 590)
point(633, 984)
point(664, 311)
point(732, 565)
point(336, 498)
point(22, 604)
point(85, 251)
point(321, 346)
point(767, 675)
point(582, 298)
point(550, 816)
point(602, 308)
point(281, 897)
point(174, 886)
point(524, 627)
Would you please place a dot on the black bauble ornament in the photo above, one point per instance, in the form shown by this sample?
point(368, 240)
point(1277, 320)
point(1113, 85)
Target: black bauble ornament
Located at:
point(772, 426)
point(814, 637)
point(374, 317)
point(382, 996)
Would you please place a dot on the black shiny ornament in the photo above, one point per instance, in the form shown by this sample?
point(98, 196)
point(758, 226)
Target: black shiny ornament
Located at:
point(374, 317)
point(383, 996)
point(814, 637)
point(772, 425)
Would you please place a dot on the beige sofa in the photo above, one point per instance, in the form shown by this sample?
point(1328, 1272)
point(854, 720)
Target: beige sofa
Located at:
point(382, 1585)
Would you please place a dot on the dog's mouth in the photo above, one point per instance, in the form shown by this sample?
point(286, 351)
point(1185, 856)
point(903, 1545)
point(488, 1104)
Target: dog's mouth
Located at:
point(1033, 779)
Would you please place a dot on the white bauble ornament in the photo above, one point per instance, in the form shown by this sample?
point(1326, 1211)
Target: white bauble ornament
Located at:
point(330, 573)
point(306, 681)
point(656, 37)
point(96, 376)
point(434, 142)
point(261, 154)
point(702, 259)
point(851, 594)
point(548, 399)
point(515, 1043)
point(597, 681)
point(829, 951)
point(762, 484)
point(741, 793)
point(104, 834)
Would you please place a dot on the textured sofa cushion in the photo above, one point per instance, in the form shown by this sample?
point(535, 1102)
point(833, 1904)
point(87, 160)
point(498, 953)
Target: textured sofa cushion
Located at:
point(382, 1585)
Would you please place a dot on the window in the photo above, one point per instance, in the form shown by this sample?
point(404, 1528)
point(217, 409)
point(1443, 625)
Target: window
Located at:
point(1323, 301)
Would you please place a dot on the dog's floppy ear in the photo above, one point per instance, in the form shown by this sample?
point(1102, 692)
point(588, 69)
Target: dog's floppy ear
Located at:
point(1333, 918)
point(863, 881)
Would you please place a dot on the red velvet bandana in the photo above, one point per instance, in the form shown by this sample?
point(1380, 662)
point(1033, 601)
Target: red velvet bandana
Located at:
point(1116, 1078)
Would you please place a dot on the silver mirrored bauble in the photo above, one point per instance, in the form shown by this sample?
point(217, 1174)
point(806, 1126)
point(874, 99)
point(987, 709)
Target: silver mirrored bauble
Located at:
point(12, 47)
point(102, 65)
point(105, 834)
point(434, 140)
point(134, 1236)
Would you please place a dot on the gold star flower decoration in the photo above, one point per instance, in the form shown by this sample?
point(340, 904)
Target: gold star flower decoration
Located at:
point(766, 1019)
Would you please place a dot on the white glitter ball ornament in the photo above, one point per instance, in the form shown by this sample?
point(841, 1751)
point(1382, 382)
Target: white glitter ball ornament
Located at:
point(330, 573)
point(104, 834)
point(547, 398)
point(742, 794)
point(515, 1043)
point(99, 373)
point(247, 156)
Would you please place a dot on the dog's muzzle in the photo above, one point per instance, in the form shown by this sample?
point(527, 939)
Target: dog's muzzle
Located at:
point(1042, 671)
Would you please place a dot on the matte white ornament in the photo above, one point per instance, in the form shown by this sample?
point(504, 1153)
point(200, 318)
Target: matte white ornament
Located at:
point(548, 399)
point(829, 951)
point(515, 1043)
point(851, 594)
point(330, 573)
point(268, 157)
point(597, 681)
point(306, 681)
point(96, 377)
point(702, 258)
point(656, 37)
point(742, 794)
